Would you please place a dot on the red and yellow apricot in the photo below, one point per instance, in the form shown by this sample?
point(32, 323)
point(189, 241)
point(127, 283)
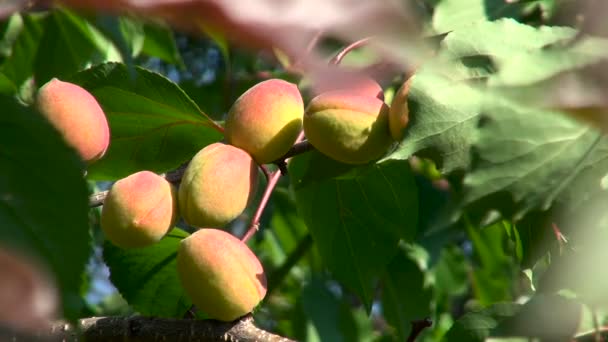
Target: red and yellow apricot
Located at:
point(347, 127)
point(139, 210)
point(399, 113)
point(354, 84)
point(217, 185)
point(265, 121)
point(77, 115)
point(220, 274)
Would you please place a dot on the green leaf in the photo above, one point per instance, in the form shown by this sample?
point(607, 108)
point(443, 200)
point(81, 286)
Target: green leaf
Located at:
point(548, 317)
point(159, 42)
point(492, 279)
point(70, 44)
point(154, 125)
point(147, 277)
point(356, 217)
point(526, 157)
point(529, 66)
point(43, 198)
point(501, 42)
point(333, 319)
point(478, 325)
point(20, 64)
point(452, 14)
point(443, 117)
point(9, 31)
point(406, 295)
point(451, 272)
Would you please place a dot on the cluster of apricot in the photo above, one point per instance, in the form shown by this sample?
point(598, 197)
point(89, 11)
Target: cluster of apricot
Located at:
point(219, 272)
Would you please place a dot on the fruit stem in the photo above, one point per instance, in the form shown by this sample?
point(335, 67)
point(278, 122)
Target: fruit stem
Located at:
point(273, 179)
point(255, 222)
point(345, 51)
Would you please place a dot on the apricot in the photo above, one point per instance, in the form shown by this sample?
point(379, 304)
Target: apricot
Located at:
point(346, 127)
point(217, 185)
point(266, 120)
point(354, 84)
point(399, 113)
point(220, 274)
point(139, 210)
point(77, 115)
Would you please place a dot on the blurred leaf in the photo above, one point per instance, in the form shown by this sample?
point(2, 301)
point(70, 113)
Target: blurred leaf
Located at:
point(19, 66)
point(355, 218)
point(153, 124)
point(43, 198)
point(548, 317)
point(332, 318)
point(159, 42)
point(478, 325)
point(69, 44)
point(492, 45)
point(451, 274)
point(452, 14)
point(147, 277)
point(533, 65)
point(405, 296)
point(6, 86)
point(492, 279)
point(9, 31)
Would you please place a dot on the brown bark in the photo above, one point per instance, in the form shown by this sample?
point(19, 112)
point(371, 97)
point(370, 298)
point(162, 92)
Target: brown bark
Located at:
point(137, 328)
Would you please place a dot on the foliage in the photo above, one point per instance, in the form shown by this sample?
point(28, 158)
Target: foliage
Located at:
point(495, 192)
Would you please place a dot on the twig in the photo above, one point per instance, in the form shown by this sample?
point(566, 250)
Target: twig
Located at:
point(417, 327)
point(255, 221)
point(297, 148)
point(175, 176)
point(340, 55)
point(272, 182)
point(276, 277)
point(137, 328)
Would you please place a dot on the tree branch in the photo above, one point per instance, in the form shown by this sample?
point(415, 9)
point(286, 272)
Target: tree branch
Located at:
point(137, 328)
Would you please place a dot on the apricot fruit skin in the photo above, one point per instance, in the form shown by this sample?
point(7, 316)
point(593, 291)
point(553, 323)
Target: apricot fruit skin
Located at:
point(266, 120)
point(399, 113)
point(220, 274)
point(217, 185)
point(139, 210)
point(354, 84)
point(77, 115)
point(346, 127)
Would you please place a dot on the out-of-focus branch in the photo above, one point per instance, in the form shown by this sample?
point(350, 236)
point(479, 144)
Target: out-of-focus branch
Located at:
point(137, 328)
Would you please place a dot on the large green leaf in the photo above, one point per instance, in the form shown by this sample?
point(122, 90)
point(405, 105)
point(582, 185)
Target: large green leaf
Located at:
point(443, 117)
point(69, 44)
point(526, 157)
point(406, 294)
point(154, 125)
point(43, 198)
point(452, 14)
point(355, 215)
point(147, 277)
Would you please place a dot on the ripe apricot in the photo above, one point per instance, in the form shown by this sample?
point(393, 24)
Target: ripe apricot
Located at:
point(217, 185)
point(77, 115)
point(266, 120)
point(139, 210)
point(347, 127)
point(220, 274)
